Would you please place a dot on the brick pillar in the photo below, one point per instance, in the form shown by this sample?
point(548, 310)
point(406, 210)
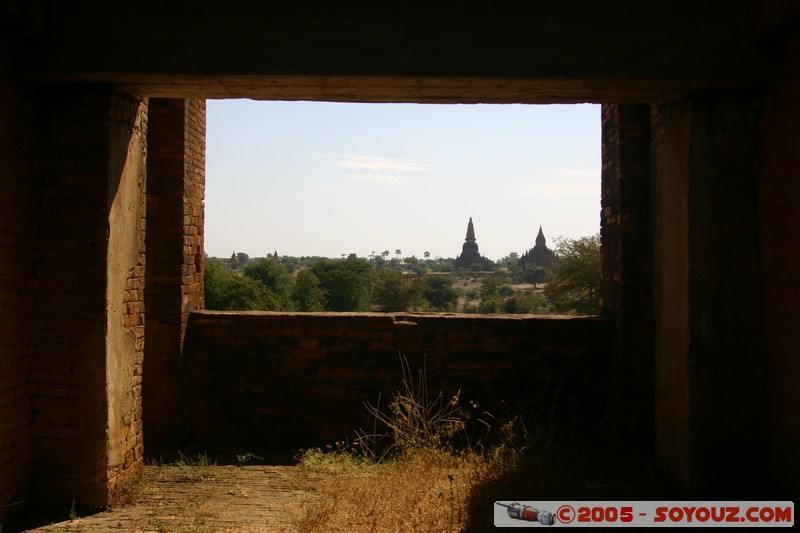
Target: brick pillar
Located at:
point(627, 263)
point(710, 356)
point(86, 317)
point(176, 189)
point(16, 259)
point(778, 189)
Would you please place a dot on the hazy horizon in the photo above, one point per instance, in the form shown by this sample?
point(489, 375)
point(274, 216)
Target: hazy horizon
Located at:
point(326, 179)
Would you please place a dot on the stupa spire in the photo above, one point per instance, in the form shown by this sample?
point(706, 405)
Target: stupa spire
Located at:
point(470, 256)
point(470, 231)
point(540, 240)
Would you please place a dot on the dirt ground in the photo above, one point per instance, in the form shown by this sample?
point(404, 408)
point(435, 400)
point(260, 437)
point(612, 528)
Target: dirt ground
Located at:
point(273, 498)
point(194, 499)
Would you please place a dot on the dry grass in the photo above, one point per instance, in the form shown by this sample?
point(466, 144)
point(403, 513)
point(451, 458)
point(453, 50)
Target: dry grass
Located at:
point(413, 477)
point(436, 489)
point(424, 479)
point(133, 490)
point(425, 489)
point(423, 474)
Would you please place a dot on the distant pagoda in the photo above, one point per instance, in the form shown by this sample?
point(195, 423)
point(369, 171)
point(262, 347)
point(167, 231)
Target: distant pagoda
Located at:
point(470, 255)
point(538, 256)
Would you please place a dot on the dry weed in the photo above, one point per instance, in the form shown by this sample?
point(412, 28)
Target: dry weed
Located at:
point(410, 478)
point(131, 491)
point(425, 489)
point(421, 473)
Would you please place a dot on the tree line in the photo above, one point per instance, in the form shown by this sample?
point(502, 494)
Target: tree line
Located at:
point(571, 285)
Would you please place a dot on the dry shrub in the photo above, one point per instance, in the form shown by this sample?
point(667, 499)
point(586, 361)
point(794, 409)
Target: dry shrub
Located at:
point(421, 474)
point(414, 421)
point(132, 490)
point(413, 477)
point(425, 489)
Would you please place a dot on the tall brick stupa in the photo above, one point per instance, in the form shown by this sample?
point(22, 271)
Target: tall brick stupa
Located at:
point(470, 256)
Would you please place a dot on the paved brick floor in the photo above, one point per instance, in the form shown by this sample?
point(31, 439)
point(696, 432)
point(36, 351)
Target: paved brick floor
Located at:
point(184, 499)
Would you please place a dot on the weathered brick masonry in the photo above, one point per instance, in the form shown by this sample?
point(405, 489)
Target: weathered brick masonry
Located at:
point(192, 295)
point(710, 356)
point(126, 277)
point(176, 188)
point(627, 258)
point(778, 193)
point(287, 380)
point(87, 326)
point(16, 233)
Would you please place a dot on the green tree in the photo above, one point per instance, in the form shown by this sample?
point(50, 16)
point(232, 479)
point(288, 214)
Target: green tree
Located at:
point(306, 294)
point(534, 275)
point(526, 302)
point(573, 285)
point(347, 284)
point(494, 290)
point(491, 305)
point(512, 257)
point(227, 291)
point(273, 277)
point(396, 292)
point(440, 293)
point(215, 279)
point(512, 266)
point(445, 265)
point(495, 285)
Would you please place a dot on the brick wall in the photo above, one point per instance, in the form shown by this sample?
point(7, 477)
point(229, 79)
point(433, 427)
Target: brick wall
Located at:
point(16, 232)
point(778, 190)
point(710, 352)
point(627, 261)
point(86, 312)
point(193, 210)
point(67, 375)
point(288, 380)
point(176, 190)
point(125, 335)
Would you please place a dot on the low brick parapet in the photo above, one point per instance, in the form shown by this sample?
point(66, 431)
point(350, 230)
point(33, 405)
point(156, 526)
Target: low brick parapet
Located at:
point(287, 380)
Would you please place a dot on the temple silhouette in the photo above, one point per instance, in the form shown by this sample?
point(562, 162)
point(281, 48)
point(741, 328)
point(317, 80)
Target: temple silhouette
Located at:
point(538, 256)
point(470, 256)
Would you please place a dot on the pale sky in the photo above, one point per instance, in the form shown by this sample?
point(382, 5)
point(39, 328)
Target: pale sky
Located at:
point(310, 178)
